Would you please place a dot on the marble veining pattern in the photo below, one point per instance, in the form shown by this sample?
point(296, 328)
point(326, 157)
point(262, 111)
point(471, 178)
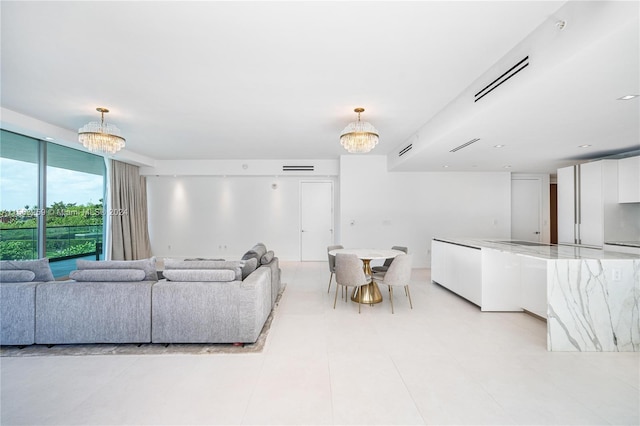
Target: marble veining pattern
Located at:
point(593, 305)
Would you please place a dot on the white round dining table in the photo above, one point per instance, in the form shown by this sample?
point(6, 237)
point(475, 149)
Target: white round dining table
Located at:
point(370, 292)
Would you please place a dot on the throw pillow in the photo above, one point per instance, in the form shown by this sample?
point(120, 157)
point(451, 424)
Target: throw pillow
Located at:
point(251, 255)
point(267, 258)
point(108, 275)
point(250, 265)
point(200, 275)
point(147, 265)
point(259, 248)
point(39, 267)
point(17, 276)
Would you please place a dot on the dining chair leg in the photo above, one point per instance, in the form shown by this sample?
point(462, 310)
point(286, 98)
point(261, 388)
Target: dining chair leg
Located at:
point(391, 297)
point(330, 278)
point(335, 299)
point(406, 288)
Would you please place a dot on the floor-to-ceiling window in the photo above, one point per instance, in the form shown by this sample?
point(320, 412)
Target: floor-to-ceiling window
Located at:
point(52, 202)
point(18, 197)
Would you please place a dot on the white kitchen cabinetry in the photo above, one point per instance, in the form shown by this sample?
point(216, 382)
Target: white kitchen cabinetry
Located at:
point(584, 193)
point(629, 180)
point(457, 268)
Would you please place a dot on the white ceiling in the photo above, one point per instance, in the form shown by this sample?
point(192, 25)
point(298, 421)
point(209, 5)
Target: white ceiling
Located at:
point(280, 80)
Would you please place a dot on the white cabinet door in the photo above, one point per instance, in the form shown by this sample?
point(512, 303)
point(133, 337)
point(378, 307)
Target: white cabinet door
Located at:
point(439, 262)
point(591, 216)
point(533, 279)
point(458, 269)
point(566, 205)
point(629, 180)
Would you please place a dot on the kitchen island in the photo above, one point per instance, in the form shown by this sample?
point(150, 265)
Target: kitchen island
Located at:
point(590, 298)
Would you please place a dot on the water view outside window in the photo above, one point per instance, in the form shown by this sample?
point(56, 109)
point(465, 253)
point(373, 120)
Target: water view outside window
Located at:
point(73, 217)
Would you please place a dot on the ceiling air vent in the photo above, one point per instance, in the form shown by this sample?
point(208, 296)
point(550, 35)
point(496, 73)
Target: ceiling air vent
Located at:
point(504, 77)
point(404, 150)
point(298, 168)
point(464, 145)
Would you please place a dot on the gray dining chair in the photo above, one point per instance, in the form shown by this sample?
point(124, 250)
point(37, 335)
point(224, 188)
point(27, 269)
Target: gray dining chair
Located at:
point(332, 263)
point(388, 262)
point(349, 273)
point(398, 274)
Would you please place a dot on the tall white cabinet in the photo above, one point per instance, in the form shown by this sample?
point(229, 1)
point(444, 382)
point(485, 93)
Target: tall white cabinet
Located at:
point(585, 193)
point(629, 180)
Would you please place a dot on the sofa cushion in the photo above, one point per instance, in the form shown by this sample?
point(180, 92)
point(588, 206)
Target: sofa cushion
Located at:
point(108, 275)
point(250, 265)
point(200, 275)
point(234, 265)
point(267, 258)
point(39, 267)
point(193, 259)
point(17, 276)
point(147, 265)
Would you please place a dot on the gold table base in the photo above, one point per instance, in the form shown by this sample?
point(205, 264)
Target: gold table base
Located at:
point(370, 294)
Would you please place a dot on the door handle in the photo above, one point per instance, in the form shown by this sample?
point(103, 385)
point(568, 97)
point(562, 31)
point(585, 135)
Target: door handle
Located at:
point(537, 232)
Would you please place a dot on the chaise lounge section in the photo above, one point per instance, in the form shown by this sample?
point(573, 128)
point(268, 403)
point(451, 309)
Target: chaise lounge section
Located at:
point(200, 303)
point(107, 302)
point(18, 282)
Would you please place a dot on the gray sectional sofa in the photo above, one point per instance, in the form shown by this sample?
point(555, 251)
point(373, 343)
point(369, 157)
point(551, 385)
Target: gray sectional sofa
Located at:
point(18, 283)
point(123, 302)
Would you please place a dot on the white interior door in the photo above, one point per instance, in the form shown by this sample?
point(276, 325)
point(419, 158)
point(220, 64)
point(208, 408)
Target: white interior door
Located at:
point(526, 209)
point(316, 219)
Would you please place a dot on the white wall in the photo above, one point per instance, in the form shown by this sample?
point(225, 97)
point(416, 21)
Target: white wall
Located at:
point(215, 216)
point(382, 209)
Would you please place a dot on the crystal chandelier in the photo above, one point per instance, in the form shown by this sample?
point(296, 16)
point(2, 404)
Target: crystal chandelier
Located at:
point(101, 136)
point(359, 136)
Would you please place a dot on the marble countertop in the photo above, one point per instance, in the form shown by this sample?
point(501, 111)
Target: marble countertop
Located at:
point(624, 243)
point(539, 250)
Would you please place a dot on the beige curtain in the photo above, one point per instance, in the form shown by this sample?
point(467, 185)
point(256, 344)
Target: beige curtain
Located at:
point(129, 225)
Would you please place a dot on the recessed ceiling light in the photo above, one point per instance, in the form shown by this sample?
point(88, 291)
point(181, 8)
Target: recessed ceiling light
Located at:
point(498, 146)
point(627, 97)
point(507, 167)
point(584, 146)
point(445, 167)
point(49, 138)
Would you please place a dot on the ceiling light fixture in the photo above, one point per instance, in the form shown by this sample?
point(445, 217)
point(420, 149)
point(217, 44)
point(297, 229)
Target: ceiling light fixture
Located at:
point(584, 146)
point(359, 136)
point(627, 97)
point(101, 136)
point(498, 146)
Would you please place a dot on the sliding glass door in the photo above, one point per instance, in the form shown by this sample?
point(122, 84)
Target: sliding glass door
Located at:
point(69, 183)
point(18, 197)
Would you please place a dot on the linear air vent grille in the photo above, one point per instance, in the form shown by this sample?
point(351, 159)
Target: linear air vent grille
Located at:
point(404, 150)
point(504, 77)
point(298, 168)
point(464, 145)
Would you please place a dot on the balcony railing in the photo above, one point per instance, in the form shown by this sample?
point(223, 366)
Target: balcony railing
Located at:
point(62, 242)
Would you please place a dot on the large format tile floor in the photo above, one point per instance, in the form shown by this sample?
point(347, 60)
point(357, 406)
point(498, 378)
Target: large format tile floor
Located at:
point(444, 362)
